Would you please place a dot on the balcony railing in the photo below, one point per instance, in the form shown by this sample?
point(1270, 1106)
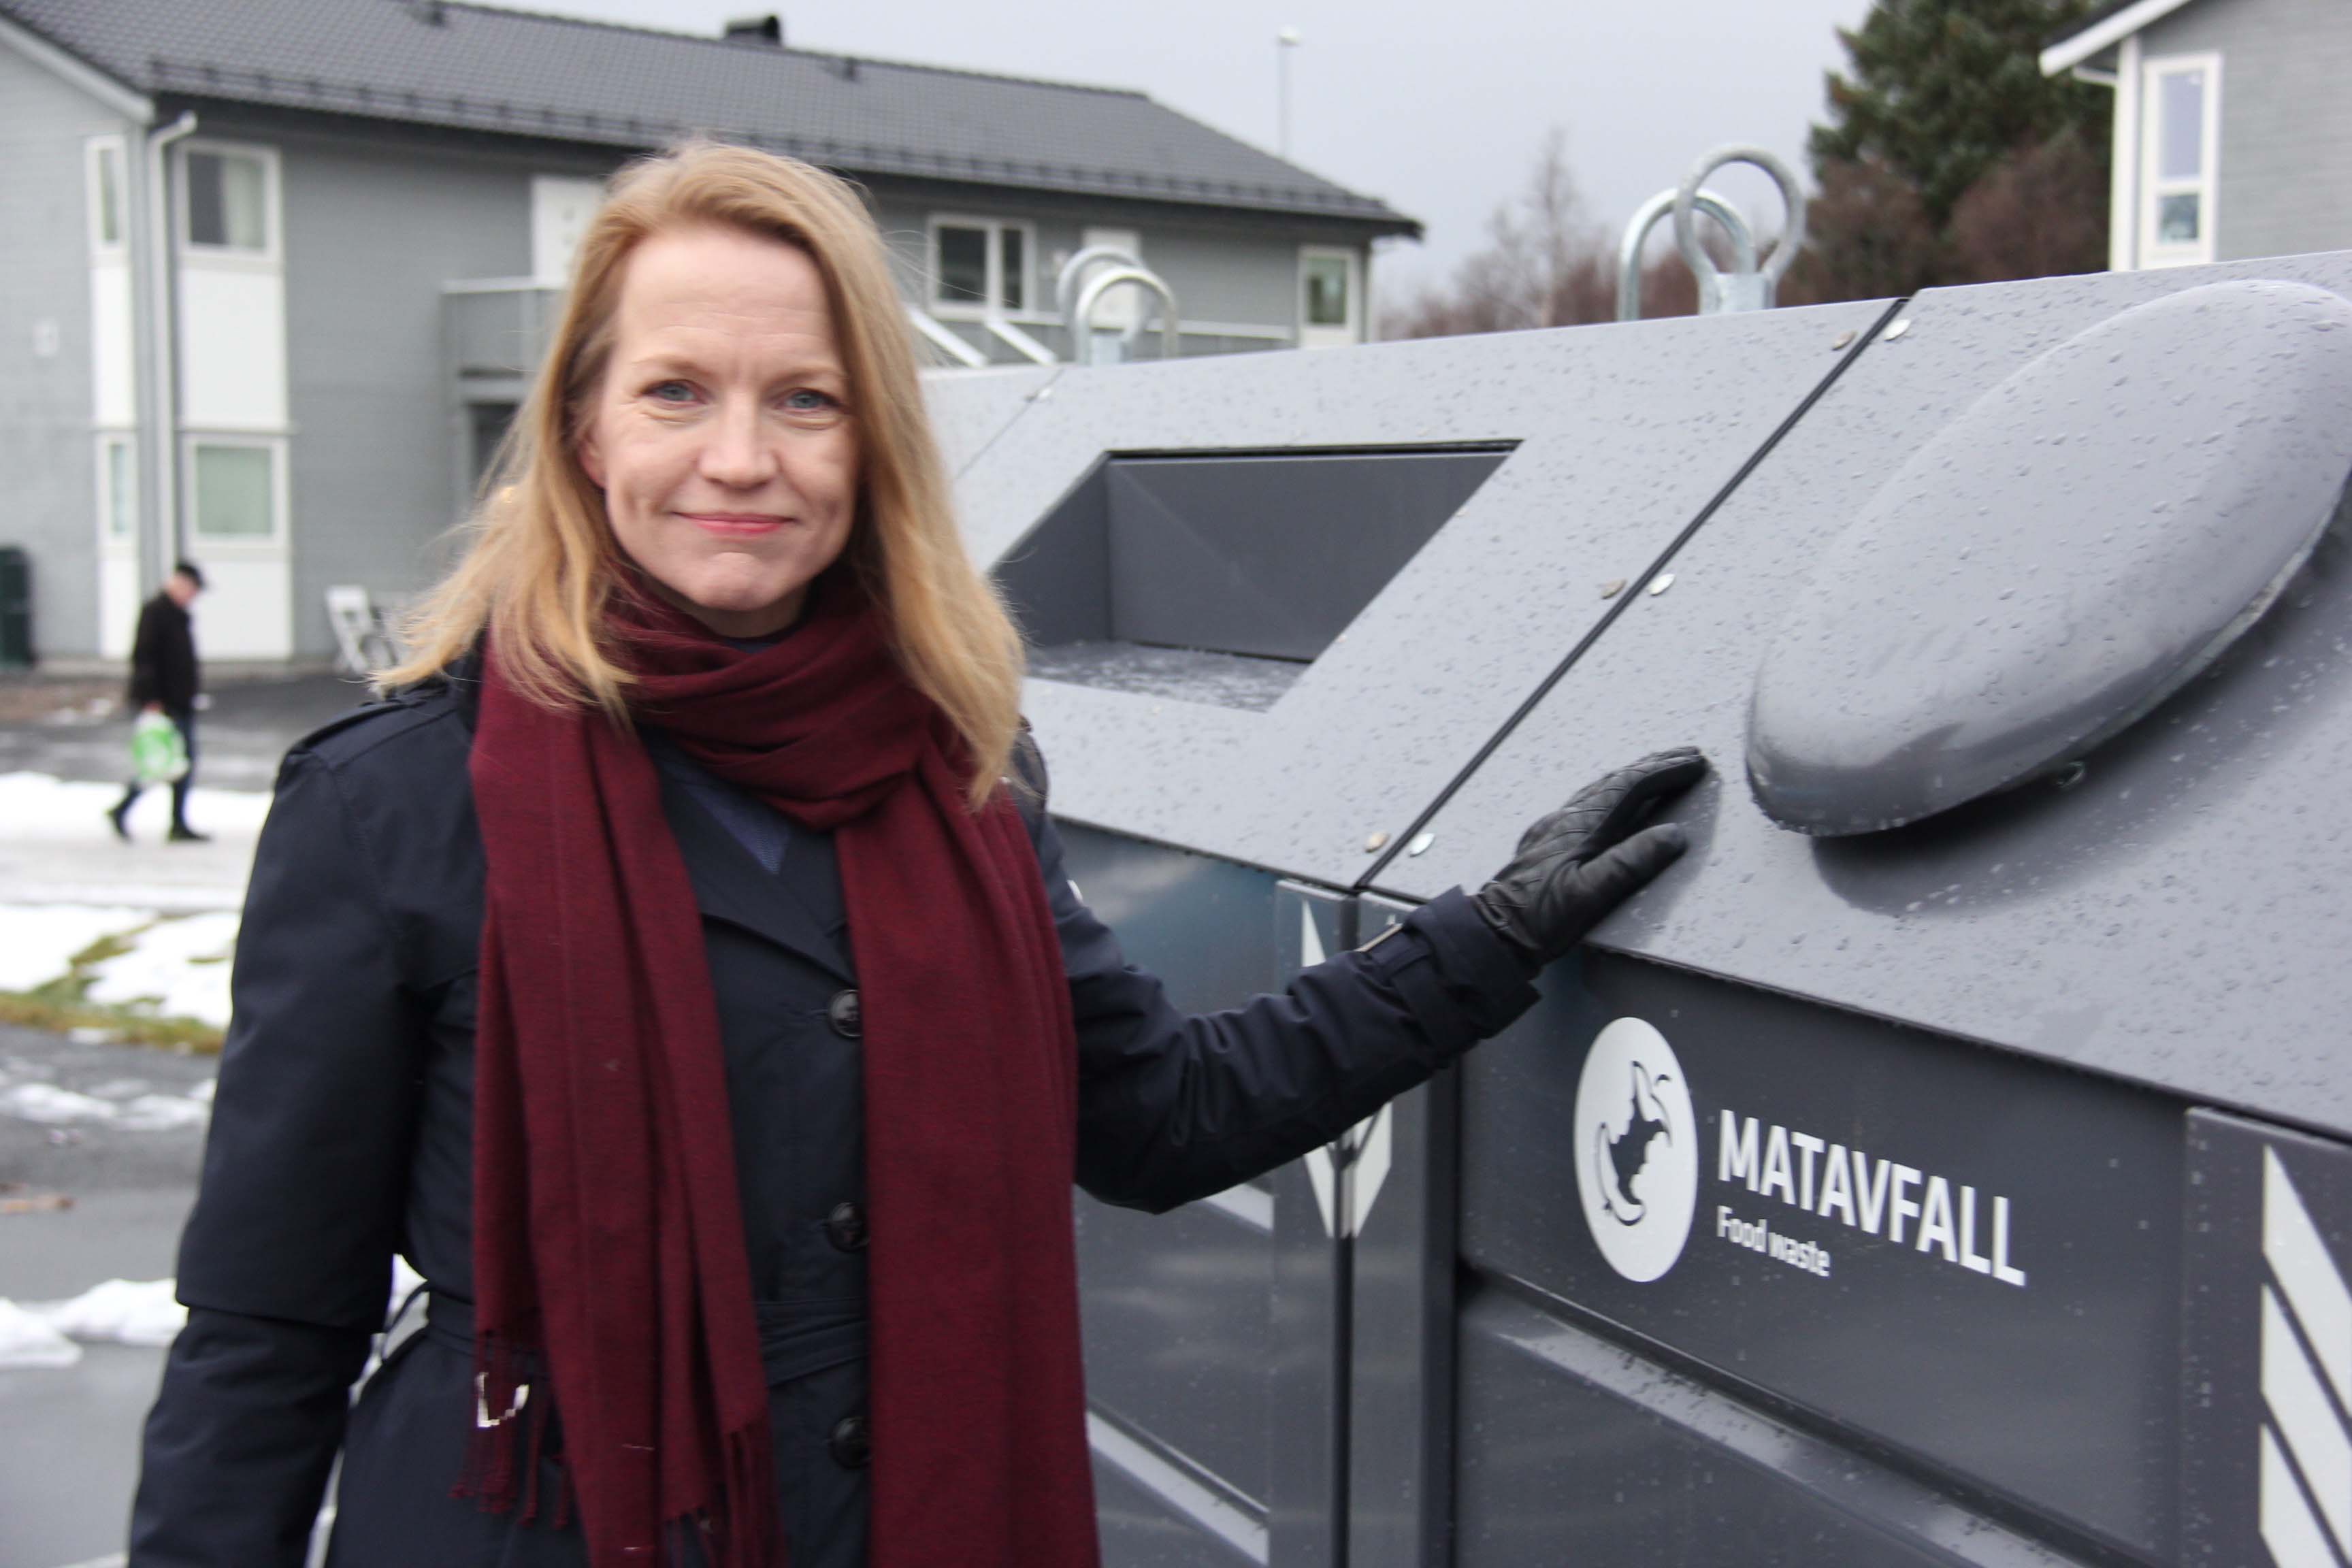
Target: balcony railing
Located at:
point(495, 331)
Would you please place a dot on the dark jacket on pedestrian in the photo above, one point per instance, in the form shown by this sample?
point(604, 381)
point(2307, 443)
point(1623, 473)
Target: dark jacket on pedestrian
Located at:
point(164, 667)
point(342, 1133)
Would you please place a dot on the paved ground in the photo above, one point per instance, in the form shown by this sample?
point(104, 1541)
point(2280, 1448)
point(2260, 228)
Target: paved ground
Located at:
point(74, 729)
point(68, 1438)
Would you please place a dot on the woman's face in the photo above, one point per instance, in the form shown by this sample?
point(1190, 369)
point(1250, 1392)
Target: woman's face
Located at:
point(722, 435)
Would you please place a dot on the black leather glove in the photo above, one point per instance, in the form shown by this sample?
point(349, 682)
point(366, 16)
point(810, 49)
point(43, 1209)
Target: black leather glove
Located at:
point(1580, 862)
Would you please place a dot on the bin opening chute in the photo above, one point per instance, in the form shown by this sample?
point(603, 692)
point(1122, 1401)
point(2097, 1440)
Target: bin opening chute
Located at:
point(1218, 577)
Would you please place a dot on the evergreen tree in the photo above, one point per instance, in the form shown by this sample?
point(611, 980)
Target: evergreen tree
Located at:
point(1939, 91)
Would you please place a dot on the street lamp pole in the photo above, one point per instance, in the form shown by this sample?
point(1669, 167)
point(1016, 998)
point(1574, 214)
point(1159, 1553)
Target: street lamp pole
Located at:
point(1285, 41)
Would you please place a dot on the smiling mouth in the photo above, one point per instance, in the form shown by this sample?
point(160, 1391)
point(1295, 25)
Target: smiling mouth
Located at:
point(735, 524)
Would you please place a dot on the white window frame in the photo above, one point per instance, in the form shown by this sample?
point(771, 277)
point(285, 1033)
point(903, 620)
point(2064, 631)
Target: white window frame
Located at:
point(1308, 332)
point(2153, 188)
point(94, 154)
point(994, 286)
point(280, 493)
point(107, 440)
point(273, 227)
point(549, 271)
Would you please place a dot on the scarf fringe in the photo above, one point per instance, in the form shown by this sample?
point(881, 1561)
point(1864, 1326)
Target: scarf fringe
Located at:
point(745, 1525)
point(504, 1415)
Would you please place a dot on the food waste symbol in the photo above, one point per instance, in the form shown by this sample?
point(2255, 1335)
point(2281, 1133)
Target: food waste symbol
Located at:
point(1621, 1157)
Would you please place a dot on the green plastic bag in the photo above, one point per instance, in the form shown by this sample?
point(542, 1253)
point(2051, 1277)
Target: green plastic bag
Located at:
point(158, 753)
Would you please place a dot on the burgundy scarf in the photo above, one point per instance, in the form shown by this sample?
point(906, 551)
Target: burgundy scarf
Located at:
point(608, 1244)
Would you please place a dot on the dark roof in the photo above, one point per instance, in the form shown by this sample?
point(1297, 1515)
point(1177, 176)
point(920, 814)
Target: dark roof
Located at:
point(527, 74)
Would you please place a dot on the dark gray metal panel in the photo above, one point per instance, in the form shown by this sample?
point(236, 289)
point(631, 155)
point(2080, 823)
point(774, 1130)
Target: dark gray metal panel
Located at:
point(1141, 1528)
point(1306, 1406)
point(1574, 1451)
point(970, 409)
point(1625, 433)
point(2178, 919)
point(1175, 1308)
point(1993, 1288)
point(1057, 580)
point(1179, 1334)
point(1401, 1350)
point(2267, 1470)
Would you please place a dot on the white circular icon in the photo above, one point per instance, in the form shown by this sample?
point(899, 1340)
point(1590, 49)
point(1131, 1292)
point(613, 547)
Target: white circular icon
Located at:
point(1636, 1150)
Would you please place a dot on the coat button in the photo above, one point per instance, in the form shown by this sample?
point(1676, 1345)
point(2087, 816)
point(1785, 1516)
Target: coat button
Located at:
point(843, 1014)
point(845, 1227)
point(851, 1444)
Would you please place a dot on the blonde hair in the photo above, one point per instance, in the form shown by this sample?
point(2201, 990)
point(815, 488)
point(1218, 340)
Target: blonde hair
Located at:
point(543, 563)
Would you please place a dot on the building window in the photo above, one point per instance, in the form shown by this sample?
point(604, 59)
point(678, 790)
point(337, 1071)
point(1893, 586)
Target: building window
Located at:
point(117, 487)
point(235, 490)
point(561, 208)
point(978, 261)
point(1327, 291)
point(1329, 312)
point(2179, 155)
point(229, 200)
point(109, 219)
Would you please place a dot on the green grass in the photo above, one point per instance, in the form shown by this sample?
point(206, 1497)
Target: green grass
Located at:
point(64, 1004)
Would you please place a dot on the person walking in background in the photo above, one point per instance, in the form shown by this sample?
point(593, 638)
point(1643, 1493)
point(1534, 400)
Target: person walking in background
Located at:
point(165, 679)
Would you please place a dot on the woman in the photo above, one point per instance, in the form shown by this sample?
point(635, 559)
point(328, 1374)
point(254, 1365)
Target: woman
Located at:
point(674, 972)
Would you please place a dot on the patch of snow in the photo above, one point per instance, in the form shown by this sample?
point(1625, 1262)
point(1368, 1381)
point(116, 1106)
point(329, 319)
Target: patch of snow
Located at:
point(178, 965)
point(54, 1107)
point(37, 806)
point(92, 1035)
point(28, 1341)
point(37, 942)
point(119, 1311)
point(161, 1113)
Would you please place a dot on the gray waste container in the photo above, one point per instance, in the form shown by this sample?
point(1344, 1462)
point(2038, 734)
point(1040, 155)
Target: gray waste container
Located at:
point(1965, 1189)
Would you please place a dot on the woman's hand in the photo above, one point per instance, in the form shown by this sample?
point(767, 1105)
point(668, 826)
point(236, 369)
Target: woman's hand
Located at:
point(1581, 861)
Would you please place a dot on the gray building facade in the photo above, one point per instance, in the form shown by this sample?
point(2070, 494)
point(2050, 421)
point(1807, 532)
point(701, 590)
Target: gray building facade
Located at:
point(2232, 128)
point(285, 268)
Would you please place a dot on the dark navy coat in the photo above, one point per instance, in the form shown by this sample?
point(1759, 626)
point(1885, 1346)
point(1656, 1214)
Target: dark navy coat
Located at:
point(342, 1133)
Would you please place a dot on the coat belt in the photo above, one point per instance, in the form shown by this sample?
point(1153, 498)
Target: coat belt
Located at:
point(796, 1338)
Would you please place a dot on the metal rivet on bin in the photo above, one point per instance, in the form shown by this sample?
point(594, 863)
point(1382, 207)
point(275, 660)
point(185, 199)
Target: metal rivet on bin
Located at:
point(1375, 841)
point(1661, 583)
point(1844, 338)
point(1420, 843)
point(1898, 328)
point(1611, 588)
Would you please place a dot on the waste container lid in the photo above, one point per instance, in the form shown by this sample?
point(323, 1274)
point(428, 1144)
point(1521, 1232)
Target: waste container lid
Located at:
point(2046, 569)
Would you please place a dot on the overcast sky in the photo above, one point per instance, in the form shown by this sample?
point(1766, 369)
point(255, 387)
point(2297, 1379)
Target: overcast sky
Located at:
point(1439, 109)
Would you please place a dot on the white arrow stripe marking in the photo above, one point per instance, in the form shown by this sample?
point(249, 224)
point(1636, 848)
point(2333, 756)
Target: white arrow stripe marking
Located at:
point(2315, 1293)
point(2288, 1530)
point(2306, 1421)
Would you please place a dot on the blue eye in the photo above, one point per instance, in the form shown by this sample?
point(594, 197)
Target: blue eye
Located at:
point(669, 392)
point(808, 400)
